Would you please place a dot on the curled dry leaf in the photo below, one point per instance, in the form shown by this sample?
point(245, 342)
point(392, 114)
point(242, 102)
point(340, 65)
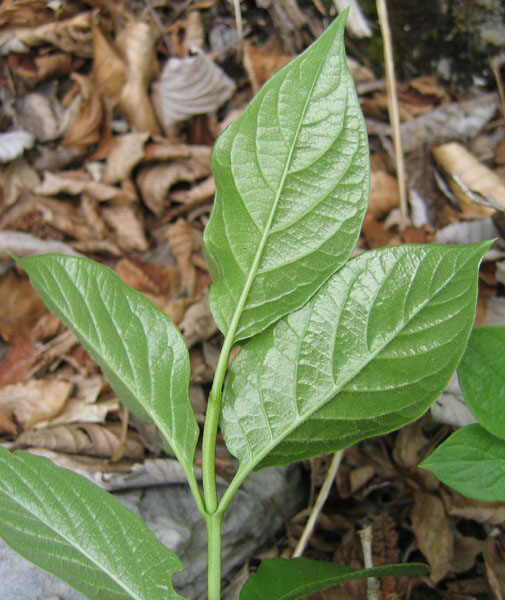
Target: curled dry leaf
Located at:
point(91, 439)
point(19, 176)
point(86, 129)
point(433, 532)
point(40, 68)
point(384, 195)
point(76, 184)
point(78, 411)
point(69, 35)
point(40, 114)
point(109, 70)
point(457, 505)
point(25, 244)
point(23, 405)
point(127, 225)
point(14, 143)
point(183, 243)
point(155, 181)
point(198, 323)
point(456, 160)
point(192, 86)
point(261, 63)
point(494, 563)
point(152, 278)
point(127, 152)
point(136, 42)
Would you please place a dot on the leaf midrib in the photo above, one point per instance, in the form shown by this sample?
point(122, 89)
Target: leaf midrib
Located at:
point(259, 253)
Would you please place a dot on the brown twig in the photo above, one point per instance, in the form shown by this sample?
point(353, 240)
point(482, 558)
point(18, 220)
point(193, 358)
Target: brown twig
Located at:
point(394, 113)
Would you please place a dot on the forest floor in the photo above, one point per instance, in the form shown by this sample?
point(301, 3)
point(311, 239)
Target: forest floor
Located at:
point(108, 154)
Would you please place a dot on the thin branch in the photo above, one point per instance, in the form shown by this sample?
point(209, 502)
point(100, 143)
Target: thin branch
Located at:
point(394, 113)
point(319, 503)
point(366, 543)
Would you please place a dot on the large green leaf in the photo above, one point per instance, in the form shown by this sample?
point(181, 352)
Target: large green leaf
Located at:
point(292, 186)
point(482, 378)
point(291, 579)
point(366, 355)
point(79, 532)
point(140, 350)
point(472, 461)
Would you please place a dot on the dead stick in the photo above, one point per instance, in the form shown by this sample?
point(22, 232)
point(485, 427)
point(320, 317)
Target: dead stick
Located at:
point(394, 113)
point(319, 503)
point(366, 543)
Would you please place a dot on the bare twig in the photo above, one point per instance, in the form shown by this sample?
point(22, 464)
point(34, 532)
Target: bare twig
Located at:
point(319, 503)
point(394, 113)
point(240, 28)
point(366, 543)
point(495, 64)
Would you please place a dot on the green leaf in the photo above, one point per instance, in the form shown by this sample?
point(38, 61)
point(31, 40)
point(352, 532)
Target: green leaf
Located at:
point(140, 350)
point(292, 178)
point(366, 355)
point(472, 461)
point(482, 378)
point(68, 526)
point(294, 578)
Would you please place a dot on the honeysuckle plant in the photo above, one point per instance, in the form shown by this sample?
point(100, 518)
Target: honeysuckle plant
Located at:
point(333, 349)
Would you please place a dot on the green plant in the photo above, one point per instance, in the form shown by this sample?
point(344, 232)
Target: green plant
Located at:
point(472, 459)
point(334, 350)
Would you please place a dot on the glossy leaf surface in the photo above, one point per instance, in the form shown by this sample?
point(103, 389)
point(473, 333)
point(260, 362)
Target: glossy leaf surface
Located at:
point(472, 461)
point(366, 355)
point(291, 579)
point(140, 350)
point(68, 526)
point(482, 378)
point(292, 178)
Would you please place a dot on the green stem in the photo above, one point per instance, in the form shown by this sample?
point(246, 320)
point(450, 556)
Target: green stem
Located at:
point(214, 524)
point(211, 425)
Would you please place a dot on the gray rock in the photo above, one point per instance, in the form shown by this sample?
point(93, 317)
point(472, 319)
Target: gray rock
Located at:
point(254, 516)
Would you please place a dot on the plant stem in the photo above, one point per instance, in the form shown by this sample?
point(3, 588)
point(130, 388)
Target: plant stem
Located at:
point(214, 523)
point(211, 425)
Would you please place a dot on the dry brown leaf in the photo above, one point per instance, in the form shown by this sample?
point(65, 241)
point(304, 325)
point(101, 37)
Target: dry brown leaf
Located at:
point(87, 127)
point(91, 439)
point(78, 411)
point(35, 69)
point(21, 306)
point(167, 151)
point(466, 549)
point(198, 323)
point(494, 562)
point(500, 153)
point(455, 159)
point(155, 181)
point(195, 35)
point(69, 35)
point(17, 361)
point(23, 405)
point(433, 533)
point(91, 213)
point(29, 13)
point(376, 234)
point(109, 69)
point(153, 278)
point(136, 42)
point(384, 195)
point(260, 63)
point(75, 184)
point(183, 243)
point(40, 114)
point(127, 225)
point(457, 505)
point(127, 152)
point(19, 176)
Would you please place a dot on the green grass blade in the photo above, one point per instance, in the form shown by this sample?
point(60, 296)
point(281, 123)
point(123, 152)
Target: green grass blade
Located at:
point(68, 526)
point(292, 179)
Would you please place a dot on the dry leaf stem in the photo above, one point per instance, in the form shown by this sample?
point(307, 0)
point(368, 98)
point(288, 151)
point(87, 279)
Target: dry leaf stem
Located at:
point(365, 535)
point(394, 113)
point(319, 503)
